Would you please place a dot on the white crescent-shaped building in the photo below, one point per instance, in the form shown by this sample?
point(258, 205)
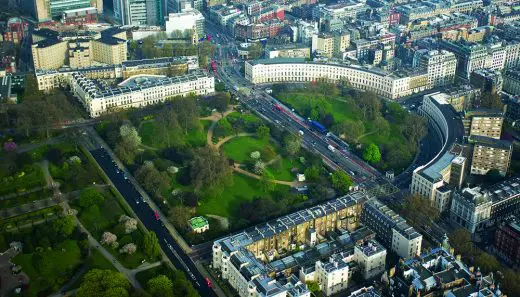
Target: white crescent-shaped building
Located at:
point(390, 85)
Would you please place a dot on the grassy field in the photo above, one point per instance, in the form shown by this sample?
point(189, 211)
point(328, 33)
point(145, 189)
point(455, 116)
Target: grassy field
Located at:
point(244, 188)
point(240, 148)
point(152, 135)
point(284, 171)
point(64, 259)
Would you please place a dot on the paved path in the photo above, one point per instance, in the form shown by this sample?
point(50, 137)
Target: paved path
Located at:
point(215, 118)
point(65, 294)
point(236, 168)
point(32, 146)
point(224, 222)
point(366, 134)
point(41, 204)
point(228, 138)
point(16, 195)
point(255, 176)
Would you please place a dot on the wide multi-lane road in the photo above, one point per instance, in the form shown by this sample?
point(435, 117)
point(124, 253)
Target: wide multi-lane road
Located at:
point(145, 213)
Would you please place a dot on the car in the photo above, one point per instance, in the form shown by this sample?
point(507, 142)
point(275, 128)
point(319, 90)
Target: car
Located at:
point(156, 215)
point(208, 282)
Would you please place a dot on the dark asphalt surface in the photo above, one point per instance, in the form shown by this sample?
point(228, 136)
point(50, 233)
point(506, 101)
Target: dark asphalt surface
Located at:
point(179, 259)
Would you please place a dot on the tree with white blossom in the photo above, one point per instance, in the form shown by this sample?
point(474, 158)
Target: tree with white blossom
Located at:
point(128, 248)
point(130, 224)
point(259, 167)
point(255, 155)
point(109, 239)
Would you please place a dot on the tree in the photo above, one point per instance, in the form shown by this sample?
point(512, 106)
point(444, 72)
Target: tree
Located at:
point(341, 182)
point(151, 246)
point(90, 196)
point(487, 263)
point(313, 286)
point(259, 167)
point(419, 210)
point(350, 130)
point(64, 226)
point(255, 50)
point(160, 286)
point(460, 239)
point(312, 173)
point(168, 122)
point(511, 282)
point(108, 238)
point(327, 120)
point(129, 137)
point(210, 171)
point(415, 128)
point(372, 153)
point(187, 112)
point(370, 105)
point(255, 155)
point(381, 124)
point(182, 286)
point(491, 101)
point(152, 180)
point(128, 248)
point(221, 102)
point(268, 184)
point(129, 142)
point(292, 144)
point(179, 216)
point(98, 283)
point(262, 132)
point(130, 224)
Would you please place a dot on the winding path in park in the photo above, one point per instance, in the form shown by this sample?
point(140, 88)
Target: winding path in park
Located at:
point(236, 167)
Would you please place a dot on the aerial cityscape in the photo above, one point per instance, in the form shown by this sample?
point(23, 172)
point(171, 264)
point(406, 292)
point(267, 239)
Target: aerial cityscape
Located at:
point(260, 148)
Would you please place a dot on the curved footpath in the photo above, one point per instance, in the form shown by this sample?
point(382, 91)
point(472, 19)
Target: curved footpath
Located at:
point(215, 118)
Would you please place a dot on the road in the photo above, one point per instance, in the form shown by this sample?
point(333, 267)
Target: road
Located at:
point(338, 157)
point(145, 213)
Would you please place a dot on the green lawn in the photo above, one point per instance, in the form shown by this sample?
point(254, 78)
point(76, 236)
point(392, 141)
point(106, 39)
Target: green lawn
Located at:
point(284, 171)
point(243, 188)
point(240, 148)
point(152, 135)
point(64, 258)
point(339, 109)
